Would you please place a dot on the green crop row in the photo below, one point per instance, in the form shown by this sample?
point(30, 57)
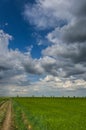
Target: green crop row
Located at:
point(17, 117)
point(51, 113)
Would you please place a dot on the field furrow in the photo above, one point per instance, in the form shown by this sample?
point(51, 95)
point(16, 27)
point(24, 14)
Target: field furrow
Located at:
point(3, 108)
point(7, 123)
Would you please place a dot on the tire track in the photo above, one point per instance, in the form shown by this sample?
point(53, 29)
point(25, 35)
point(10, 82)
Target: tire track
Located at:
point(7, 124)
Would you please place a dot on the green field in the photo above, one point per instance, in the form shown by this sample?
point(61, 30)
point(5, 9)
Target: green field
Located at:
point(49, 113)
point(42, 113)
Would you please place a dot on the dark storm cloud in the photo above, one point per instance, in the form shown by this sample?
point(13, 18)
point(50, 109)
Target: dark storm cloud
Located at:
point(76, 53)
point(49, 65)
point(2, 68)
point(50, 69)
point(81, 58)
point(41, 66)
point(30, 68)
point(70, 59)
point(74, 72)
point(33, 67)
point(79, 8)
point(71, 33)
point(75, 32)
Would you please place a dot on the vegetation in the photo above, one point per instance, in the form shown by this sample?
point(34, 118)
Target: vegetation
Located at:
point(51, 113)
point(43, 113)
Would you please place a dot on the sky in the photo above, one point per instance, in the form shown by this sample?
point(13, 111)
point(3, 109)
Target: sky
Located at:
point(43, 48)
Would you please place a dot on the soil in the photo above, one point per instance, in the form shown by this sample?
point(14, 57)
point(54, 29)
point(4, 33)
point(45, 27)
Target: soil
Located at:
point(8, 118)
point(2, 106)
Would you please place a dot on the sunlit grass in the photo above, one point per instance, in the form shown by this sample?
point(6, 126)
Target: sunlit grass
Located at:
point(54, 113)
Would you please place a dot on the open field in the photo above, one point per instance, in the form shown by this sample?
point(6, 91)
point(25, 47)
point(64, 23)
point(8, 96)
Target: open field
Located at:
point(43, 114)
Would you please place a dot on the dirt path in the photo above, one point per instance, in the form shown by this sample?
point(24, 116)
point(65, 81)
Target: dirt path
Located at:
point(8, 118)
point(2, 106)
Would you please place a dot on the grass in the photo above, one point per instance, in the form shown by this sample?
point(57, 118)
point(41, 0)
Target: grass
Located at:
point(52, 113)
point(17, 115)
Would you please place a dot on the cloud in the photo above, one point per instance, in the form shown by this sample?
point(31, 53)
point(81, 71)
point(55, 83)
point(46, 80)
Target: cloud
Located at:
point(10, 60)
point(54, 86)
point(68, 41)
point(80, 10)
point(72, 52)
point(41, 66)
point(70, 59)
point(74, 32)
point(62, 66)
point(46, 14)
point(67, 20)
point(16, 67)
point(71, 33)
point(57, 66)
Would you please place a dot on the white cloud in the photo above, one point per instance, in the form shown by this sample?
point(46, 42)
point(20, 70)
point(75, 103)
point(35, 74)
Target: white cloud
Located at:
point(66, 57)
point(62, 66)
point(47, 14)
point(49, 78)
point(16, 69)
point(4, 41)
point(11, 62)
point(56, 83)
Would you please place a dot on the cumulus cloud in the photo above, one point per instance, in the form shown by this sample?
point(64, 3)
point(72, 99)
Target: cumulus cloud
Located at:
point(12, 69)
point(71, 33)
point(70, 59)
point(67, 38)
point(74, 52)
point(61, 83)
point(46, 14)
point(16, 67)
point(62, 66)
